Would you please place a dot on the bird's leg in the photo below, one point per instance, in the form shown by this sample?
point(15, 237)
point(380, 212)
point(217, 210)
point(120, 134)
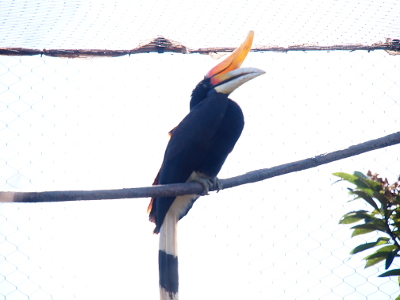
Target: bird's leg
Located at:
point(206, 182)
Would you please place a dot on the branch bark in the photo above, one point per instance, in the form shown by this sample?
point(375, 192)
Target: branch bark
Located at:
point(164, 45)
point(196, 188)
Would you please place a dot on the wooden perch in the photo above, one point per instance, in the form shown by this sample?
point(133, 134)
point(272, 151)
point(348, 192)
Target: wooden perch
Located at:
point(196, 188)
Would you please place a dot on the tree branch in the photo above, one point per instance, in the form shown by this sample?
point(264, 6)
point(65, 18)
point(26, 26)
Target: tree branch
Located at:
point(196, 188)
point(164, 45)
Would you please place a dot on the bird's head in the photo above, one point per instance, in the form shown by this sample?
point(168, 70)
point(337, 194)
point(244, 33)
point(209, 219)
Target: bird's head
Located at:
point(227, 76)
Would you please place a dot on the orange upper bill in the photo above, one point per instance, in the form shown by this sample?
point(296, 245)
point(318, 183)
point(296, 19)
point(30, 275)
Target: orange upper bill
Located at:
point(234, 60)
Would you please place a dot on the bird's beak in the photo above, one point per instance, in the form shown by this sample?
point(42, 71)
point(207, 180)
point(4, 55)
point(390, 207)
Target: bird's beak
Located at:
point(230, 81)
point(233, 61)
point(227, 75)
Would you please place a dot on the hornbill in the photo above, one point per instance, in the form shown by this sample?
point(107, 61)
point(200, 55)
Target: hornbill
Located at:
point(196, 151)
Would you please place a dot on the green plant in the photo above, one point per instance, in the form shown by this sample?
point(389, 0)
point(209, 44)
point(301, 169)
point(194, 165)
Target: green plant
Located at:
point(384, 218)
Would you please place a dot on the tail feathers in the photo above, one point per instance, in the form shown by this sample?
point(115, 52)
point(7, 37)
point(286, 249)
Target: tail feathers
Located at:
point(168, 251)
point(168, 258)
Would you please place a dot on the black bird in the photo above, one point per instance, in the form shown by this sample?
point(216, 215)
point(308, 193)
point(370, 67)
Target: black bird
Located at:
point(196, 151)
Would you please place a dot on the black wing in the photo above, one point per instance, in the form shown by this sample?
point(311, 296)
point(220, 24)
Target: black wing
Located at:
point(189, 145)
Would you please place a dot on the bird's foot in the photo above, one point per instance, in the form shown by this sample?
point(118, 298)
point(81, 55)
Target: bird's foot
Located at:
point(208, 184)
point(216, 184)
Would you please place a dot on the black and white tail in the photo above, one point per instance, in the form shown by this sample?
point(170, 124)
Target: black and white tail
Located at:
point(168, 258)
point(168, 249)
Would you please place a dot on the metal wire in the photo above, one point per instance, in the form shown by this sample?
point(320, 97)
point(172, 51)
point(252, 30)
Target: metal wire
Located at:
point(103, 123)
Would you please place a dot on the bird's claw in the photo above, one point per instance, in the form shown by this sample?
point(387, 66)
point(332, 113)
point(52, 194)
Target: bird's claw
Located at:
point(209, 184)
point(216, 184)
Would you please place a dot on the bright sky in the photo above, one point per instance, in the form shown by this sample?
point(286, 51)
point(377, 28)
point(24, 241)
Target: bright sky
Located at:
point(103, 123)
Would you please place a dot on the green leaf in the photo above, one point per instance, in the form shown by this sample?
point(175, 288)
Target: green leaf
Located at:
point(374, 225)
point(381, 197)
point(366, 246)
point(363, 183)
point(361, 231)
point(376, 186)
point(352, 179)
point(366, 197)
point(362, 247)
point(360, 175)
point(382, 240)
point(386, 249)
point(354, 216)
point(349, 220)
point(389, 259)
point(366, 191)
point(359, 180)
point(395, 272)
point(376, 212)
point(377, 254)
point(398, 297)
point(375, 260)
point(380, 254)
point(345, 176)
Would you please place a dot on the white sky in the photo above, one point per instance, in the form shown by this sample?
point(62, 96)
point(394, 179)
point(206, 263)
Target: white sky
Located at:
point(103, 123)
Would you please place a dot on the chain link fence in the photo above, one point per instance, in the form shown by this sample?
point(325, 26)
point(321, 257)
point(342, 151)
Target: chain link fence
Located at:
point(103, 123)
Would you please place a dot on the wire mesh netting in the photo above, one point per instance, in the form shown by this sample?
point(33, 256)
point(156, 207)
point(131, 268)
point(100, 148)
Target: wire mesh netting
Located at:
point(124, 24)
point(103, 123)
